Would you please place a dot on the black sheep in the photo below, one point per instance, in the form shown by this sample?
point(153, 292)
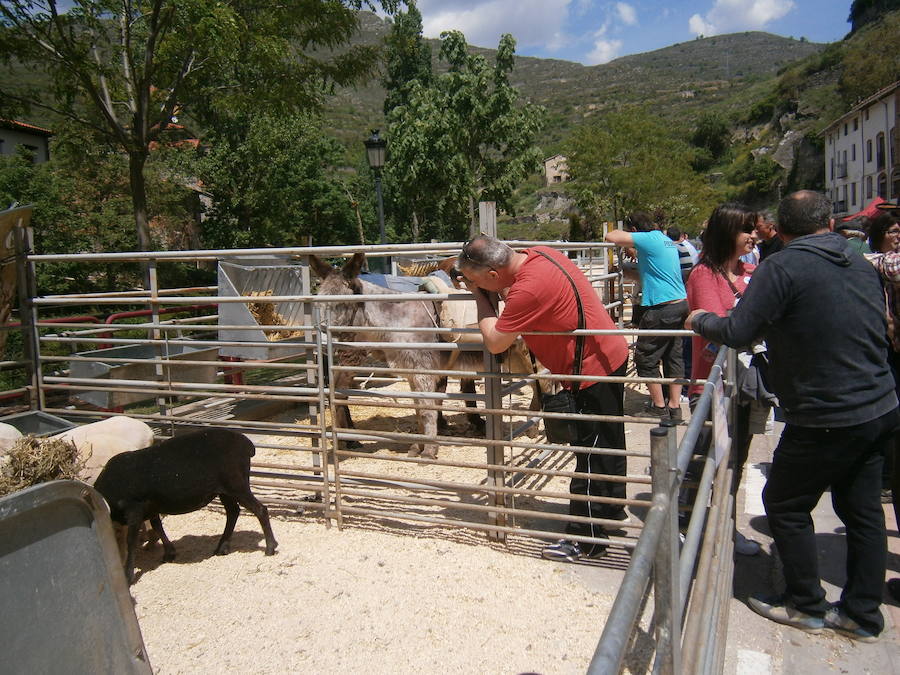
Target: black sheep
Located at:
point(180, 475)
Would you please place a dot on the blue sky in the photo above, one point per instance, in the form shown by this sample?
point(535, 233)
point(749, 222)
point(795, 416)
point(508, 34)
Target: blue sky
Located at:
point(597, 31)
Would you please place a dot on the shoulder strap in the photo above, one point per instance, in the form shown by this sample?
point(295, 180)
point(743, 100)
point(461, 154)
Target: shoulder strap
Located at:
point(734, 289)
point(579, 341)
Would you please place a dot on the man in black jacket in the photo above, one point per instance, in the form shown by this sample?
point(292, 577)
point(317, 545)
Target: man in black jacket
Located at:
point(820, 308)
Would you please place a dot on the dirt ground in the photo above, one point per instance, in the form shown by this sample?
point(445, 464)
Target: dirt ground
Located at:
point(378, 595)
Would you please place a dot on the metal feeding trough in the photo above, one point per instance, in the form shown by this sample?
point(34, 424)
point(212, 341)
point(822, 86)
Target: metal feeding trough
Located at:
point(37, 422)
point(140, 371)
point(262, 277)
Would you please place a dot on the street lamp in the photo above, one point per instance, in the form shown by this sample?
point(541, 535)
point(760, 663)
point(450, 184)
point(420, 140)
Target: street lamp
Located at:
point(375, 151)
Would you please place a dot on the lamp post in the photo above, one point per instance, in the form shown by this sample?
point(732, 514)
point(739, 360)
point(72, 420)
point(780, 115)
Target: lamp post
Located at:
point(375, 152)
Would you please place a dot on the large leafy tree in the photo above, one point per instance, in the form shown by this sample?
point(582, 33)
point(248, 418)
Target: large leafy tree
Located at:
point(466, 137)
point(631, 160)
point(124, 68)
point(278, 183)
point(408, 59)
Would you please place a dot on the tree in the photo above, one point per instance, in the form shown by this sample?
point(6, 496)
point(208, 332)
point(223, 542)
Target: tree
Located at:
point(711, 135)
point(631, 160)
point(125, 68)
point(408, 63)
point(408, 59)
point(465, 138)
point(279, 185)
point(81, 205)
point(866, 11)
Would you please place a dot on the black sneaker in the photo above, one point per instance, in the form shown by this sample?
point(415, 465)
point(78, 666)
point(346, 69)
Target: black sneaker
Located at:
point(650, 410)
point(570, 551)
point(675, 415)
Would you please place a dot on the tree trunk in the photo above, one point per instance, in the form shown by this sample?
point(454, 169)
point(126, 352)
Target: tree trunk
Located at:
point(415, 227)
point(136, 161)
point(473, 219)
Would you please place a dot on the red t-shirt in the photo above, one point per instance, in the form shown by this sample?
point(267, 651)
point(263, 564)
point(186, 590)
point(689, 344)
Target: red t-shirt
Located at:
point(541, 299)
point(712, 292)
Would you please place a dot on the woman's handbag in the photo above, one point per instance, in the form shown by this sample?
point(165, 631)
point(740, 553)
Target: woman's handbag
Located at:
point(752, 380)
point(560, 430)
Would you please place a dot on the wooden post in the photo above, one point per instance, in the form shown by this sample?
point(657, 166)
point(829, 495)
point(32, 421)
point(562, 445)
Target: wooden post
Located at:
point(487, 218)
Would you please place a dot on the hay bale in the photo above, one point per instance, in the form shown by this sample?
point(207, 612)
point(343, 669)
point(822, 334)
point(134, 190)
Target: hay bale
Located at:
point(33, 460)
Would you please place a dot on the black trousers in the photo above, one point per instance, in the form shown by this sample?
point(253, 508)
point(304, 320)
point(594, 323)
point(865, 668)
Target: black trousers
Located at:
point(848, 460)
point(602, 398)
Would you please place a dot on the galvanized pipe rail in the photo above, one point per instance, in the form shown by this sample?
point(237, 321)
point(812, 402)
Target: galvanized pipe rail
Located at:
point(704, 616)
point(515, 470)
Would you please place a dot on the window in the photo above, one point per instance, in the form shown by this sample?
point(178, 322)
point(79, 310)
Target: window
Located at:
point(882, 186)
point(868, 187)
point(869, 150)
point(853, 152)
point(832, 169)
point(896, 186)
point(867, 115)
point(33, 150)
point(845, 128)
point(853, 194)
point(855, 123)
point(879, 151)
point(891, 143)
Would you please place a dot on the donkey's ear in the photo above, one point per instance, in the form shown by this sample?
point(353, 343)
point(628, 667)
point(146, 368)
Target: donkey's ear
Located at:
point(351, 268)
point(322, 269)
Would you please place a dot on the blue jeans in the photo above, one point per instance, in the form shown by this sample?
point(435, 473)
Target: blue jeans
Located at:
point(808, 461)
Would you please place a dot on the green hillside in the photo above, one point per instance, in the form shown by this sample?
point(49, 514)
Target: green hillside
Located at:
point(726, 72)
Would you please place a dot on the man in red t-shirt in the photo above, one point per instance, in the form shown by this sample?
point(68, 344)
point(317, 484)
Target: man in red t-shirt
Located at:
point(539, 297)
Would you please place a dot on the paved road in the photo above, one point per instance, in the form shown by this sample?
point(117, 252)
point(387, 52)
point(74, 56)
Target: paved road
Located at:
point(757, 646)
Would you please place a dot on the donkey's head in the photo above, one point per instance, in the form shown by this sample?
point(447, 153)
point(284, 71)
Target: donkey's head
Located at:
point(340, 281)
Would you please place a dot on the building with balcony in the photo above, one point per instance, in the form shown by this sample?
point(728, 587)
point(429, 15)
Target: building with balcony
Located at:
point(861, 159)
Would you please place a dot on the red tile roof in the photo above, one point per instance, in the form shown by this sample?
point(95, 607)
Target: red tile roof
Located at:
point(24, 126)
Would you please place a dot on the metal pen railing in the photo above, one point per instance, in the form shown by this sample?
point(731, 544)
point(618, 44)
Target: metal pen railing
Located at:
point(689, 628)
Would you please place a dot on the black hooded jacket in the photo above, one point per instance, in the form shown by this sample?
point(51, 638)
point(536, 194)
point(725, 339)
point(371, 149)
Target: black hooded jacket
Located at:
point(820, 308)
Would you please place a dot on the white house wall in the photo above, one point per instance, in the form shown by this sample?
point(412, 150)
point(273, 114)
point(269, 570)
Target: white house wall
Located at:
point(852, 170)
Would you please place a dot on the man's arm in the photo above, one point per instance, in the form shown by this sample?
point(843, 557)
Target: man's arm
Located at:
point(763, 303)
point(619, 238)
point(495, 340)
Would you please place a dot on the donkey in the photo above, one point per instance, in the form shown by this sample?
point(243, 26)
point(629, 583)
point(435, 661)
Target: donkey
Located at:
point(406, 314)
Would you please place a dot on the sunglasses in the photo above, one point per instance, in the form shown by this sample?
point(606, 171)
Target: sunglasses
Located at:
point(464, 258)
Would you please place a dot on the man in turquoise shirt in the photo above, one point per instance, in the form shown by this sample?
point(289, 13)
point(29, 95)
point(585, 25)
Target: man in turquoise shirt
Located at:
point(665, 308)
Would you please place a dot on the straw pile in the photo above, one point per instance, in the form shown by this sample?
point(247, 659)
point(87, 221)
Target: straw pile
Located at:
point(265, 315)
point(33, 460)
point(419, 269)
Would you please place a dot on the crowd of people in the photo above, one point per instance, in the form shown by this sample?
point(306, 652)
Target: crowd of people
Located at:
point(822, 301)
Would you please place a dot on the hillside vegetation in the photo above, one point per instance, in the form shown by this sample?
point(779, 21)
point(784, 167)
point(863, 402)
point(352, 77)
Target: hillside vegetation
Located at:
point(722, 73)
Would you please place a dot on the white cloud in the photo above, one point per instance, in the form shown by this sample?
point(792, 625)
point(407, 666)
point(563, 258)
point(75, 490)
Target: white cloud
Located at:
point(531, 22)
point(699, 27)
point(727, 16)
point(627, 13)
point(603, 52)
